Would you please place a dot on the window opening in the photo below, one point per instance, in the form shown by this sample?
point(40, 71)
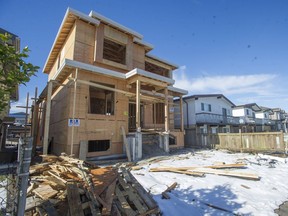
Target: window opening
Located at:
point(98, 145)
point(114, 51)
point(101, 100)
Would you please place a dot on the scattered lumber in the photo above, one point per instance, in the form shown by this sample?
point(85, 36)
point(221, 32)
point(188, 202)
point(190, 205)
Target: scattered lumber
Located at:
point(176, 170)
point(214, 169)
point(68, 186)
point(169, 189)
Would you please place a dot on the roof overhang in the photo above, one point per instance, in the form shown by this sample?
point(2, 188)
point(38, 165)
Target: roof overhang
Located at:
point(174, 66)
point(150, 75)
point(177, 90)
point(147, 46)
point(114, 24)
point(64, 30)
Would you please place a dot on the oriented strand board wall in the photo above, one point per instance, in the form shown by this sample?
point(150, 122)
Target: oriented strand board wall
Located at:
point(84, 42)
point(59, 119)
point(138, 56)
point(95, 126)
point(67, 51)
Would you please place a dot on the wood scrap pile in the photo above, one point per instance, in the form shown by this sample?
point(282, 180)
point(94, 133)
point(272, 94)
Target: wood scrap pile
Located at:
point(213, 169)
point(68, 186)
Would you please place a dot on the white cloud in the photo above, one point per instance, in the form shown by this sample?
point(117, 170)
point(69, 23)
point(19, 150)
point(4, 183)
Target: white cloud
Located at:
point(225, 84)
point(14, 106)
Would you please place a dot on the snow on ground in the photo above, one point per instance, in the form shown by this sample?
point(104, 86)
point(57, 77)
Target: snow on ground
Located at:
point(193, 195)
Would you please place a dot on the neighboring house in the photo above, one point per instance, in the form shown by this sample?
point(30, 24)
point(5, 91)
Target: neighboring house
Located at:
point(20, 118)
point(247, 115)
point(101, 75)
point(263, 121)
point(210, 113)
point(280, 117)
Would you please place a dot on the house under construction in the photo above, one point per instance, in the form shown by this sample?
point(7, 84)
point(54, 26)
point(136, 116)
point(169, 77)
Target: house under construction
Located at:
point(105, 92)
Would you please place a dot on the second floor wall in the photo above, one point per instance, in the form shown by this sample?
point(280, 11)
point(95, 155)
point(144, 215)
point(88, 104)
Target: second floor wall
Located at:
point(104, 46)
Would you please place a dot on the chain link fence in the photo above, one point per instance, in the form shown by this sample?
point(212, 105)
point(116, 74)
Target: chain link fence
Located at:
point(14, 179)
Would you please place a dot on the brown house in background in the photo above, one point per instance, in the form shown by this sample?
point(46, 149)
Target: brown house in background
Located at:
point(104, 84)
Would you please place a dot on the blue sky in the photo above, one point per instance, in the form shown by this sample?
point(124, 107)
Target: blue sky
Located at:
point(238, 48)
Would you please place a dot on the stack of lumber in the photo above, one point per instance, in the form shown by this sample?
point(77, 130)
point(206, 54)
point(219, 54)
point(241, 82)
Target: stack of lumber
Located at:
point(67, 186)
point(213, 169)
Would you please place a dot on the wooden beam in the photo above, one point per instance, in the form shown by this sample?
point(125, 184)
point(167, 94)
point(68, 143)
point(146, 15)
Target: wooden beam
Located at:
point(47, 118)
point(166, 110)
point(73, 111)
point(147, 80)
point(181, 114)
point(104, 87)
point(138, 101)
point(73, 196)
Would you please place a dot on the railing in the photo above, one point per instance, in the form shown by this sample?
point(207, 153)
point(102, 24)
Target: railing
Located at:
point(256, 121)
point(216, 119)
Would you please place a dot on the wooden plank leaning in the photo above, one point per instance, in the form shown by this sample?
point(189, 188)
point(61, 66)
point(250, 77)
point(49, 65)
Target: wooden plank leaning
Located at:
point(74, 202)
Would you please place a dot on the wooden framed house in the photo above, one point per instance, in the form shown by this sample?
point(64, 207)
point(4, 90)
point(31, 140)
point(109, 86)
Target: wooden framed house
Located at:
point(102, 85)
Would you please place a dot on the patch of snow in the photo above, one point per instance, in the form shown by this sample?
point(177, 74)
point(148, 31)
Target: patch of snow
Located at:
point(205, 195)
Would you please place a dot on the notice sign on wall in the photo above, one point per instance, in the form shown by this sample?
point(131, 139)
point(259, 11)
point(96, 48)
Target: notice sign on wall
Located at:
point(73, 122)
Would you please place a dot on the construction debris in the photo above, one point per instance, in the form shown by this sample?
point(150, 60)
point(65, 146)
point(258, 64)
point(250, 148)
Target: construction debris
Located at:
point(68, 186)
point(213, 169)
point(169, 189)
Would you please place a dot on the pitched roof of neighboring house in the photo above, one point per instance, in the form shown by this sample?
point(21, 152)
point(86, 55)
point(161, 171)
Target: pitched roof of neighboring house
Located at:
point(265, 109)
point(252, 106)
point(208, 95)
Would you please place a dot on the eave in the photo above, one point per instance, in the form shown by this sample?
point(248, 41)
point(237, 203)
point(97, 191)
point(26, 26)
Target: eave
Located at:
point(64, 30)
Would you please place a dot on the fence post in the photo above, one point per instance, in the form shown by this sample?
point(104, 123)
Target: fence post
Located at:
point(241, 142)
point(23, 175)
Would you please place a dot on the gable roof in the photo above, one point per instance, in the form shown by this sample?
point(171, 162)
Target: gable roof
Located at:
point(209, 95)
point(252, 106)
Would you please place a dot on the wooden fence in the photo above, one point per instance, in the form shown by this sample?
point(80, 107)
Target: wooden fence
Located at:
point(254, 142)
point(247, 142)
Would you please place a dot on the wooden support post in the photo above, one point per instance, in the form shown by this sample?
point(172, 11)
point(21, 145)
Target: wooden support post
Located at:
point(26, 116)
point(73, 111)
point(181, 114)
point(47, 118)
point(35, 122)
point(138, 116)
point(166, 111)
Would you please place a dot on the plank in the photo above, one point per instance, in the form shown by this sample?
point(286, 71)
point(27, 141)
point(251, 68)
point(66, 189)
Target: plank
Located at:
point(49, 208)
point(176, 170)
point(199, 171)
point(74, 202)
point(249, 176)
point(133, 196)
point(102, 178)
point(56, 176)
point(128, 153)
point(146, 197)
point(32, 202)
point(124, 204)
point(45, 192)
point(109, 198)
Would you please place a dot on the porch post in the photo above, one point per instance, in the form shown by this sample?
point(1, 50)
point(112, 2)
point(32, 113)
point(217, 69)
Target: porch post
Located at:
point(181, 114)
point(73, 111)
point(166, 111)
point(166, 132)
point(47, 118)
point(138, 89)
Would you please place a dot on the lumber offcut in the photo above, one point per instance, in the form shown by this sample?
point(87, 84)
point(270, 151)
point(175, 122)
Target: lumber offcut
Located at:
point(199, 171)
